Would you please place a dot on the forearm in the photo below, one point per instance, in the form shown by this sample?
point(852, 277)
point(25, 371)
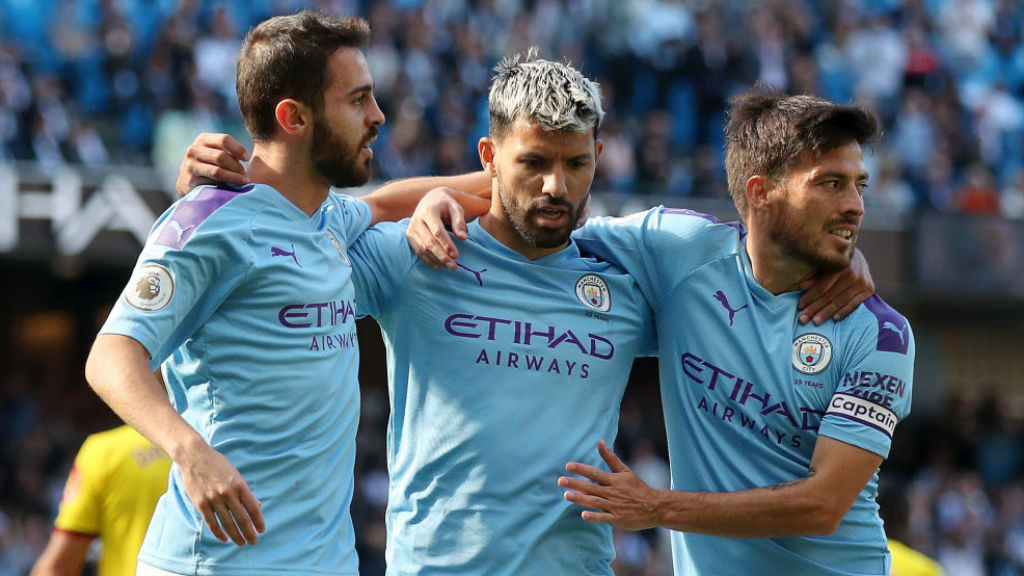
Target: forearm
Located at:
point(794, 508)
point(397, 199)
point(118, 371)
point(64, 555)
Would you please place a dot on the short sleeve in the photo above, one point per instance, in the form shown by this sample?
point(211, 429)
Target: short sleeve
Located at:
point(875, 390)
point(659, 247)
point(81, 502)
point(183, 274)
point(381, 260)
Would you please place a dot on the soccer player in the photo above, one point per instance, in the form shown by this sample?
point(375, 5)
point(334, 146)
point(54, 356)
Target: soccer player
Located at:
point(499, 371)
point(246, 293)
point(776, 429)
point(117, 478)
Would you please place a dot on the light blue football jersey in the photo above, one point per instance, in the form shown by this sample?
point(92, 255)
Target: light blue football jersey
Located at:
point(251, 304)
point(747, 390)
point(499, 374)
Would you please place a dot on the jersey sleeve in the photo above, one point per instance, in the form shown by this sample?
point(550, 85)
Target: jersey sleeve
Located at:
point(354, 216)
point(381, 259)
point(184, 272)
point(82, 500)
point(659, 247)
point(874, 391)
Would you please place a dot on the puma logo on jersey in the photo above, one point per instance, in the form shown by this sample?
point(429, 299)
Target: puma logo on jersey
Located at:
point(720, 296)
point(479, 278)
point(275, 251)
point(894, 328)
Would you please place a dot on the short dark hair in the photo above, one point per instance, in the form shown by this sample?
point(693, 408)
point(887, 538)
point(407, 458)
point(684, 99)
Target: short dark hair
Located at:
point(768, 131)
point(286, 57)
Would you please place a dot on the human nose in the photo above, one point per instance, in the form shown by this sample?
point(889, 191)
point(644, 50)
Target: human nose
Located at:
point(376, 117)
point(554, 183)
point(853, 201)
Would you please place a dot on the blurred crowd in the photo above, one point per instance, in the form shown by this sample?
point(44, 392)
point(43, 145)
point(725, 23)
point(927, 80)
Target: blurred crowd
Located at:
point(133, 81)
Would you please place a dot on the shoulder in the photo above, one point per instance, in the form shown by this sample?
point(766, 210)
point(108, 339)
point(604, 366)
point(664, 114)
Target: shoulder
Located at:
point(118, 439)
point(208, 207)
point(890, 329)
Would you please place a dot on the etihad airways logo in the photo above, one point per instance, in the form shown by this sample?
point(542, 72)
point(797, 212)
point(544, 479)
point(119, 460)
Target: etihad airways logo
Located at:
point(316, 314)
point(526, 333)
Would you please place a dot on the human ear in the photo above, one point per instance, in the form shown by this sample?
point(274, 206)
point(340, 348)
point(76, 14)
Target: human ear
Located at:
point(292, 116)
point(757, 192)
point(485, 147)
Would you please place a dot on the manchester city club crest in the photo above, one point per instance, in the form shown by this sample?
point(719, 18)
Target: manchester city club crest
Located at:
point(337, 246)
point(593, 292)
point(812, 353)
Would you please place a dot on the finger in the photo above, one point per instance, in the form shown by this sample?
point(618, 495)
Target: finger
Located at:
point(441, 244)
point(420, 244)
point(813, 307)
point(233, 146)
point(611, 458)
point(815, 289)
point(206, 159)
point(206, 511)
point(597, 517)
point(458, 227)
point(855, 300)
point(587, 471)
point(438, 254)
point(227, 521)
point(254, 508)
point(243, 519)
point(579, 485)
point(587, 500)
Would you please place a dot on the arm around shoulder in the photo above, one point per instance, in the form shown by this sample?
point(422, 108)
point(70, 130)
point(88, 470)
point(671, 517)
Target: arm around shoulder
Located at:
point(397, 199)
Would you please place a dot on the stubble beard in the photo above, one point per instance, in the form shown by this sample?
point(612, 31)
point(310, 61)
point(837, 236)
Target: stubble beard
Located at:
point(521, 219)
point(789, 234)
point(336, 160)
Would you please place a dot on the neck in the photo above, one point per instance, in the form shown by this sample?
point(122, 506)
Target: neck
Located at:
point(772, 268)
point(290, 172)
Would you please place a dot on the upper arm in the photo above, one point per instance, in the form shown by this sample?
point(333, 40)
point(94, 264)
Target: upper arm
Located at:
point(874, 388)
point(840, 472)
point(175, 287)
point(64, 555)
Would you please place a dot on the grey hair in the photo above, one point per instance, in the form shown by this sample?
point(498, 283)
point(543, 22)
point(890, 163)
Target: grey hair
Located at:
point(555, 96)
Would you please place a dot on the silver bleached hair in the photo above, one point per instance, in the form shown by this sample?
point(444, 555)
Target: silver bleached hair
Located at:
point(555, 96)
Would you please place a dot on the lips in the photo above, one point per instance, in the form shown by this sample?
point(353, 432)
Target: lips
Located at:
point(551, 215)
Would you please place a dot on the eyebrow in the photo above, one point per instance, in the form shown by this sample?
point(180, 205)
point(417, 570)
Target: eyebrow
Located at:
point(358, 89)
point(834, 174)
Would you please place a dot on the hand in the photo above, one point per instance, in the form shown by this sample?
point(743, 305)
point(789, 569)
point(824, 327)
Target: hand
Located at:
point(427, 234)
point(624, 500)
point(222, 497)
point(212, 159)
point(836, 295)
